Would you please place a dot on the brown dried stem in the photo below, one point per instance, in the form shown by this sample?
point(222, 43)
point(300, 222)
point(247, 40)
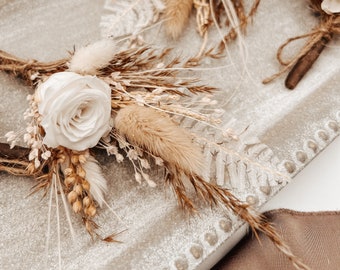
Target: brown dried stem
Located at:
point(29, 70)
point(215, 195)
point(14, 161)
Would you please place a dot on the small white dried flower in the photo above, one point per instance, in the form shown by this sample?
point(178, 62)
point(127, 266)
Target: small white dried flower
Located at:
point(33, 154)
point(111, 150)
point(119, 158)
point(27, 138)
point(46, 155)
point(29, 98)
point(37, 163)
point(138, 177)
point(144, 163)
point(34, 76)
point(37, 144)
point(148, 180)
point(159, 161)
point(13, 143)
point(132, 154)
point(11, 135)
point(122, 144)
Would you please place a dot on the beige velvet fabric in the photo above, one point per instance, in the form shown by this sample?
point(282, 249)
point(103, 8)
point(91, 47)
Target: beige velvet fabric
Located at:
point(313, 236)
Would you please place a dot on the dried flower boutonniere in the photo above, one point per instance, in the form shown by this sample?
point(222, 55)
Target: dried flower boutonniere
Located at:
point(328, 12)
point(124, 102)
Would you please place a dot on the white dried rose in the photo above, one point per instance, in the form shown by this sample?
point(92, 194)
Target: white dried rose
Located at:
point(75, 110)
point(331, 6)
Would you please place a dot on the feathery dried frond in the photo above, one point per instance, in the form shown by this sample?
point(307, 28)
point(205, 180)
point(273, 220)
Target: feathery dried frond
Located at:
point(89, 59)
point(177, 14)
point(97, 182)
point(129, 17)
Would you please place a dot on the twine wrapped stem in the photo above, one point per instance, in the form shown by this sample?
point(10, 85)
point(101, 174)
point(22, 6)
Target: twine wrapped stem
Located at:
point(299, 65)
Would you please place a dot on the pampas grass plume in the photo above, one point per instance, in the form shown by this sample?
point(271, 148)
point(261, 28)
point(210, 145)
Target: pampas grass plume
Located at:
point(87, 60)
point(177, 13)
point(156, 133)
point(97, 182)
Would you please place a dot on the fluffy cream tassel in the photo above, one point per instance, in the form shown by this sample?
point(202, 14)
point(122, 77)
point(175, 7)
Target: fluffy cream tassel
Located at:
point(156, 133)
point(97, 182)
point(87, 60)
point(177, 13)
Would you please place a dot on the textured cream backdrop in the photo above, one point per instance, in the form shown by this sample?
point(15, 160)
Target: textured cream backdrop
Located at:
point(158, 233)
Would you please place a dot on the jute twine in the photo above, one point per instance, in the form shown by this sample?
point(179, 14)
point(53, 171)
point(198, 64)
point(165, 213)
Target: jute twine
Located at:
point(317, 39)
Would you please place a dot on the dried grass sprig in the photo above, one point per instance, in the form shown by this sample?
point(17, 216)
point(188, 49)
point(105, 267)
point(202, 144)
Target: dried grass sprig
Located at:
point(158, 134)
point(134, 68)
point(215, 195)
point(318, 38)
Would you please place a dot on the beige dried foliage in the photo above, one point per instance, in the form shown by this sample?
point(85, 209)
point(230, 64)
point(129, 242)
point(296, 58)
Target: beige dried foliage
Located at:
point(177, 14)
point(156, 133)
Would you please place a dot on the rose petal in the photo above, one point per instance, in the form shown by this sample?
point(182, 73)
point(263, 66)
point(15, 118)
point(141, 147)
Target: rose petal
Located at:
point(331, 6)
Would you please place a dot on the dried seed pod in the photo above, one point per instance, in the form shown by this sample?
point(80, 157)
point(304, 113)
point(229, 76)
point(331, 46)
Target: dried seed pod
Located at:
point(61, 159)
point(70, 180)
point(74, 159)
point(77, 206)
point(90, 211)
point(82, 159)
point(81, 172)
point(86, 185)
point(78, 189)
point(72, 197)
point(68, 171)
point(86, 201)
